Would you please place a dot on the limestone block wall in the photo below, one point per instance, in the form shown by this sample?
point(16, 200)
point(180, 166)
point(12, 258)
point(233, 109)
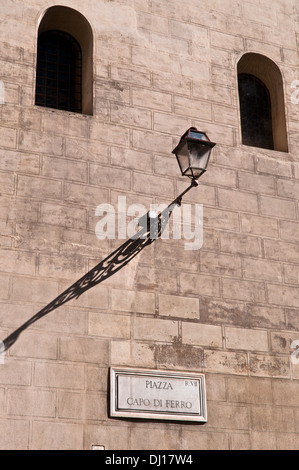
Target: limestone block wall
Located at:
point(229, 310)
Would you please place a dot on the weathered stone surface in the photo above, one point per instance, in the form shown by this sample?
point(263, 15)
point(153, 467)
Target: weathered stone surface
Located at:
point(229, 310)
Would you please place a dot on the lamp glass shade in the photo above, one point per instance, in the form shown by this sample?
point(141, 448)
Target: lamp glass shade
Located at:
point(193, 153)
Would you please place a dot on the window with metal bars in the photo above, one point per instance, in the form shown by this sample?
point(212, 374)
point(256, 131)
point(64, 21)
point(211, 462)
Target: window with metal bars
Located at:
point(59, 72)
point(255, 110)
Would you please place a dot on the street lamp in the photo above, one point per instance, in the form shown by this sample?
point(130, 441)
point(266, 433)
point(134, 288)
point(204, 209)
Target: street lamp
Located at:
point(193, 154)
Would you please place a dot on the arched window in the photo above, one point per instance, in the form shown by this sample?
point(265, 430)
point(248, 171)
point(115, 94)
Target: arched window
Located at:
point(255, 110)
point(64, 67)
point(59, 72)
point(262, 106)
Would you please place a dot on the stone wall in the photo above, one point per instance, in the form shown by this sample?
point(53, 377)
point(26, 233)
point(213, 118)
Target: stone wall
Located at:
point(229, 310)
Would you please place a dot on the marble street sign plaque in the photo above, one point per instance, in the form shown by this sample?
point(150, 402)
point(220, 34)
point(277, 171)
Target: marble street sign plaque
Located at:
point(157, 394)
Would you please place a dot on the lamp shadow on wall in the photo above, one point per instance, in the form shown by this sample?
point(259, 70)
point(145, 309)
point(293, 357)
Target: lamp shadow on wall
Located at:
point(103, 270)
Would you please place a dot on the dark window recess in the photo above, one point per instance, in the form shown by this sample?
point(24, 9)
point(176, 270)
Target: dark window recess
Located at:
point(59, 72)
point(255, 109)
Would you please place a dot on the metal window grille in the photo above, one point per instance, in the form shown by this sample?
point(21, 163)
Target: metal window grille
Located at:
point(59, 72)
point(255, 109)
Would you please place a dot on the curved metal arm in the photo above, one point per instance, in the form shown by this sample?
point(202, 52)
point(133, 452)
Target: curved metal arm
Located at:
point(106, 268)
point(178, 200)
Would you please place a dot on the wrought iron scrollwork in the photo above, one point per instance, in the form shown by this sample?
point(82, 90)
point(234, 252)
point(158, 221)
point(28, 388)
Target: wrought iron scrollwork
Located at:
point(148, 233)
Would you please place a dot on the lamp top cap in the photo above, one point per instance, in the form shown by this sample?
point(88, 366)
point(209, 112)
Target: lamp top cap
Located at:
point(193, 134)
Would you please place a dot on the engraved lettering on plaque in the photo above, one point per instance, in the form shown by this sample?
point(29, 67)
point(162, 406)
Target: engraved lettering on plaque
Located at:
point(158, 394)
